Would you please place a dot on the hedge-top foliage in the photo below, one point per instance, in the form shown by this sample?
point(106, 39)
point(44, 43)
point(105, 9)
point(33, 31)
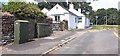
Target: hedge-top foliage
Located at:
point(23, 10)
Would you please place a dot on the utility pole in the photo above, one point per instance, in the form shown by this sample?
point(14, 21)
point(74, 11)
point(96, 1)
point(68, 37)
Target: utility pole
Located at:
point(106, 13)
point(106, 17)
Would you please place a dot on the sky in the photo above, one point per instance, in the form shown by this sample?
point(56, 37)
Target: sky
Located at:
point(101, 4)
point(31, 1)
point(3, 0)
point(95, 4)
point(105, 4)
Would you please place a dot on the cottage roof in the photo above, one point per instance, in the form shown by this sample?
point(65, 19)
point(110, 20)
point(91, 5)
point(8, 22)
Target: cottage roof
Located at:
point(72, 11)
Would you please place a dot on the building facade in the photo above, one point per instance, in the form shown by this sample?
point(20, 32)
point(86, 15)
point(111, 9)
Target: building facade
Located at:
point(75, 19)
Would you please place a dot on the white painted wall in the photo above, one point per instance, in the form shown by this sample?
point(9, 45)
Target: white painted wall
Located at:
point(82, 24)
point(65, 15)
point(87, 22)
point(71, 22)
point(60, 10)
point(62, 17)
point(44, 10)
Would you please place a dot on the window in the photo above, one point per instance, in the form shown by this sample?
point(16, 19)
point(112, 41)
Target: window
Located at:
point(57, 18)
point(79, 20)
point(56, 7)
point(75, 20)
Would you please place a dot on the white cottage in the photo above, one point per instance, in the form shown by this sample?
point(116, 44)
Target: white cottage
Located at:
point(75, 19)
point(44, 10)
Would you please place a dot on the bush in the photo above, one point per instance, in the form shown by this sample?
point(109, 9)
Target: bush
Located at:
point(23, 10)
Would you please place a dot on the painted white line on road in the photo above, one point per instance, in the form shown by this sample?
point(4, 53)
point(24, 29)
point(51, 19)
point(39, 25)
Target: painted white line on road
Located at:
point(116, 34)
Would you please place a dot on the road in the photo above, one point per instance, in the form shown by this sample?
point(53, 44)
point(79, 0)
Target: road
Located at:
point(37, 47)
point(98, 42)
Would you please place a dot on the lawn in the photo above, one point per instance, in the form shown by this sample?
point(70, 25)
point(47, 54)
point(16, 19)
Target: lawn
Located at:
point(100, 27)
point(116, 28)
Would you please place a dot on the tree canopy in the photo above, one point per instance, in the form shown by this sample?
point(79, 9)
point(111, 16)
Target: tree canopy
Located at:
point(110, 15)
point(23, 10)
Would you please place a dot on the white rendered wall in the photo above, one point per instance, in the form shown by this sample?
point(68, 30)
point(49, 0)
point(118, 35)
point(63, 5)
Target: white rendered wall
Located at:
point(87, 22)
point(71, 22)
point(57, 10)
point(82, 24)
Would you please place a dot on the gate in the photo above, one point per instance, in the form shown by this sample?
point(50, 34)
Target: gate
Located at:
point(57, 26)
point(60, 26)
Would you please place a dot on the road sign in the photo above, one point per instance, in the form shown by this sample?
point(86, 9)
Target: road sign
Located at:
point(96, 17)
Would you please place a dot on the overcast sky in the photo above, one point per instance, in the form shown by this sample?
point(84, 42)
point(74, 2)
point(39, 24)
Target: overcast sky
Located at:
point(102, 4)
point(105, 4)
point(96, 4)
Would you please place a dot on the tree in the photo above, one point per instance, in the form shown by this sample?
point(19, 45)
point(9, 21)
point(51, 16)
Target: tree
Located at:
point(85, 6)
point(101, 13)
point(23, 10)
point(17, 0)
point(118, 18)
point(92, 17)
point(110, 15)
point(113, 15)
point(50, 5)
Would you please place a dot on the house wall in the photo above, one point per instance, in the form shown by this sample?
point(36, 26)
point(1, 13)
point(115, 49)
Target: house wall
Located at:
point(81, 25)
point(71, 22)
point(62, 17)
point(66, 15)
point(87, 22)
point(57, 10)
point(45, 11)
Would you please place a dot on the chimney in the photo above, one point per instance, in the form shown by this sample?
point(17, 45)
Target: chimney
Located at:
point(79, 10)
point(71, 6)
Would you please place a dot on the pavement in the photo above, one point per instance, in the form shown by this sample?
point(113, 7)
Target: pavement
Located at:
point(40, 45)
point(93, 42)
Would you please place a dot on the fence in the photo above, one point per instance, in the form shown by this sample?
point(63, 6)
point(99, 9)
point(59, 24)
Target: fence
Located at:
point(7, 28)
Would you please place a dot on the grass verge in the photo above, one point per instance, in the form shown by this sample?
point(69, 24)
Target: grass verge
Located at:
point(116, 28)
point(101, 27)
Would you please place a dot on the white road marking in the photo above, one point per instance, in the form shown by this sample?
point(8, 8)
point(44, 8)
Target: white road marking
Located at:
point(116, 34)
